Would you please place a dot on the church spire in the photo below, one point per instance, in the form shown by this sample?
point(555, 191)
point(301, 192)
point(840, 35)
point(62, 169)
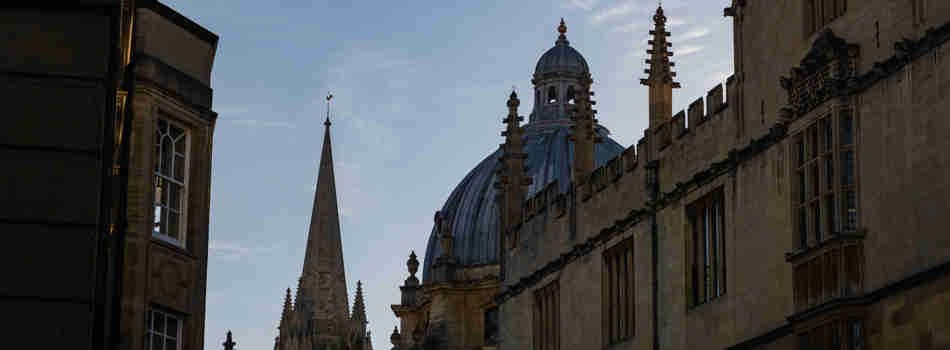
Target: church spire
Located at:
point(660, 74)
point(322, 287)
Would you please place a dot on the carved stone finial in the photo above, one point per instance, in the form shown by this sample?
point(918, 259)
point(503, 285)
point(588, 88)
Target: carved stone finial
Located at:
point(394, 338)
point(513, 101)
point(229, 343)
point(412, 263)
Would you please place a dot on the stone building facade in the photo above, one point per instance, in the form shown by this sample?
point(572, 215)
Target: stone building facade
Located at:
point(318, 317)
point(798, 206)
point(106, 176)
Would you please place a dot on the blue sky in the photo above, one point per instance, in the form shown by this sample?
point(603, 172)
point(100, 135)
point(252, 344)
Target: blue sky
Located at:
point(420, 90)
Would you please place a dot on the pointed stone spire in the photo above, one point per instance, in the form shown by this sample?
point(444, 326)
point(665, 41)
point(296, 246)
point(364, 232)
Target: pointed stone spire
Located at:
point(660, 74)
point(322, 290)
point(229, 343)
point(288, 308)
point(512, 179)
point(584, 133)
point(359, 306)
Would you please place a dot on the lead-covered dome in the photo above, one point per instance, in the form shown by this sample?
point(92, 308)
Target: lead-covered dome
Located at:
point(562, 58)
point(471, 207)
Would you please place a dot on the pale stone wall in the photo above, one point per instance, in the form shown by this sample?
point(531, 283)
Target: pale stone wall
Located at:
point(902, 170)
point(158, 36)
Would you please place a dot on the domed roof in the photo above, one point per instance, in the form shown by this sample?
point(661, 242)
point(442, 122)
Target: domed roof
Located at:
point(562, 58)
point(471, 207)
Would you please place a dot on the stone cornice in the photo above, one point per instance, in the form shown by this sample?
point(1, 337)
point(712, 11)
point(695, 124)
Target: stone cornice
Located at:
point(635, 216)
point(906, 51)
point(929, 275)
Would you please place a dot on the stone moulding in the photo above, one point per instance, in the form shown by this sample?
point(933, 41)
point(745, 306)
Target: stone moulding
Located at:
point(805, 91)
point(776, 134)
point(824, 73)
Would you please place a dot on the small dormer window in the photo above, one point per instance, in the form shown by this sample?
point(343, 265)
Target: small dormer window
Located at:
point(552, 95)
point(570, 94)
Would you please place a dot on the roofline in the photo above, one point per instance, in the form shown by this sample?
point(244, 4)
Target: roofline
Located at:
point(179, 19)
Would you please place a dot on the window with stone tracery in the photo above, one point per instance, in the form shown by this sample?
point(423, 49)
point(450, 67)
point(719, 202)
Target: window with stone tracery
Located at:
point(706, 248)
point(825, 197)
point(163, 330)
point(617, 286)
point(171, 149)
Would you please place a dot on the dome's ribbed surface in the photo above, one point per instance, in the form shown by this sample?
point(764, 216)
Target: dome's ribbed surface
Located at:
point(472, 209)
point(562, 58)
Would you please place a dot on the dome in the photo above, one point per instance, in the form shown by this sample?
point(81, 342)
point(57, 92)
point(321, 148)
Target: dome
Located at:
point(471, 207)
point(562, 58)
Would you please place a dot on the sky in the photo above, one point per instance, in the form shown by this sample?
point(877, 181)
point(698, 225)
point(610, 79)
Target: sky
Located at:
point(420, 90)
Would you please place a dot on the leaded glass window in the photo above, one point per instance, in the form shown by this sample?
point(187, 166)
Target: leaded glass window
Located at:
point(171, 149)
point(163, 331)
point(825, 194)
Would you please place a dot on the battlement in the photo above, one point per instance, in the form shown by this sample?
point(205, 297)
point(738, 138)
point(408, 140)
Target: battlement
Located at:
point(698, 143)
point(598, 180)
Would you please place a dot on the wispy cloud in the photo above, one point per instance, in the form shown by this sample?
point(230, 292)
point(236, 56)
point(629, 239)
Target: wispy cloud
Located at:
point(255, 123)
point(689, 50)
point(227, 250)
point(694, 33)
point(630, 27)
point(645, 25)
point(585, 5)
point(676, 22)
point(613, 12)
point(233, 251)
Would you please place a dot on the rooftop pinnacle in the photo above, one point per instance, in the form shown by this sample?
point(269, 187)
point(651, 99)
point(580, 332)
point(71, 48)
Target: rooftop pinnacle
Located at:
point(359, 306)
point(660, 71)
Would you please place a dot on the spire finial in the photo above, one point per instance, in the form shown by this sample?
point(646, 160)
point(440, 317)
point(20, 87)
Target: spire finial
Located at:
point(329, 97)
point(412, 264)
point(229, 343)
point(562, 29)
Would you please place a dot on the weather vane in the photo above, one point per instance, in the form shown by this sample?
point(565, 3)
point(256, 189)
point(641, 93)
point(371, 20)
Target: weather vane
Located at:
point(329, 97)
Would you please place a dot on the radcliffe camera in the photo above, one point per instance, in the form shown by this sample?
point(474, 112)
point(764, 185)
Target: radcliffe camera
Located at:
point(475, 175)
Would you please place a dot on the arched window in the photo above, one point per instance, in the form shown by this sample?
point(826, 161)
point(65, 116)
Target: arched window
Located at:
point(552, 95)
point(570, 94)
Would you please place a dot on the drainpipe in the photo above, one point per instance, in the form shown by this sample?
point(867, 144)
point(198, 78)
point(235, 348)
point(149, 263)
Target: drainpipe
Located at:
point(653, 184)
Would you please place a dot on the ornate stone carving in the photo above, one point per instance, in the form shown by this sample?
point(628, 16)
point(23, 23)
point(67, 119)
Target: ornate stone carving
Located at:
point(824, 73)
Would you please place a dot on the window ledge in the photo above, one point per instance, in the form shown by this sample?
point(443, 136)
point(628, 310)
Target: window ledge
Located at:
point(712, 301)
point(830, 240)
point(172, 244)
point(619, 344)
